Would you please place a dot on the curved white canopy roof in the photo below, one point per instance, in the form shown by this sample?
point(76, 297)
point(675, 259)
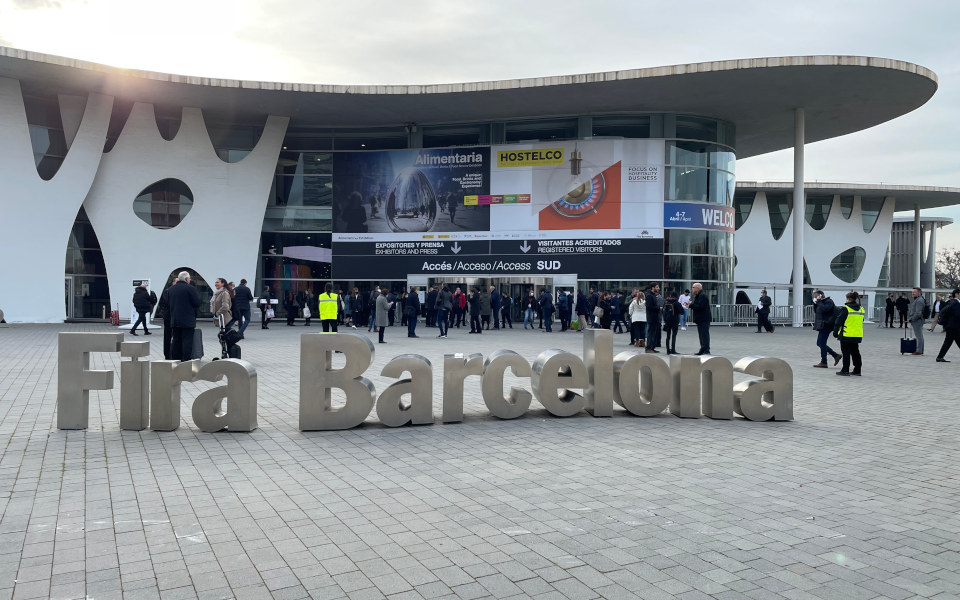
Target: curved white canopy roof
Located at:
point(841, 94)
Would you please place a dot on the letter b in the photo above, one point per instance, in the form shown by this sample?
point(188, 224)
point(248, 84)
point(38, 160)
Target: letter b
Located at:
point(317, 379)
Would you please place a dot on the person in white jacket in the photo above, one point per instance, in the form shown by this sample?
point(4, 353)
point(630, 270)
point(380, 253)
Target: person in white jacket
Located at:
point(638, 319)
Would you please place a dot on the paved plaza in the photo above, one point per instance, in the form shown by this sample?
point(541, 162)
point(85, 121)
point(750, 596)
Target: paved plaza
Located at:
point(858, 498)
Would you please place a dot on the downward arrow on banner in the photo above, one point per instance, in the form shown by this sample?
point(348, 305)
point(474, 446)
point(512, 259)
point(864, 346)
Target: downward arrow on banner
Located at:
point(525, 247)
point(455, 248)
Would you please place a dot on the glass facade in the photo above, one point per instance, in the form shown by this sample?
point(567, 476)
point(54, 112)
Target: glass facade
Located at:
point(699, 167)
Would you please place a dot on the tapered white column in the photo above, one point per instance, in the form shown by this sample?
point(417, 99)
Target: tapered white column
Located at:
point(799, 210)
point(917, 245)
point(931, 263)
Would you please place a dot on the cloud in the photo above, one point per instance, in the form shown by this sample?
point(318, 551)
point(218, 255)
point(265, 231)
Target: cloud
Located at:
point(36, 4)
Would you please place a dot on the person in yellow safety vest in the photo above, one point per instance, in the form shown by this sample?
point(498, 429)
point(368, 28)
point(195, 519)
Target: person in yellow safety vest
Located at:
point(849, 330)
point(328, 303)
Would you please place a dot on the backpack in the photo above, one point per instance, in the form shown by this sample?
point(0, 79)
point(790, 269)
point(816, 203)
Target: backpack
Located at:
point(669, 312)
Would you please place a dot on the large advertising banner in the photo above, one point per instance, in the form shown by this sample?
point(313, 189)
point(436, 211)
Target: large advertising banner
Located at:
point(589, 208)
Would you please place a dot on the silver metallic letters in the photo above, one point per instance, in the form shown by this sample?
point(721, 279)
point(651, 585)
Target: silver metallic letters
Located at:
point(240, 394)
point(391, 410)
point(317, 380)
point(135, 386)
point(642, 384)
point(555, 370)
point(491, 385)
point(768, 398)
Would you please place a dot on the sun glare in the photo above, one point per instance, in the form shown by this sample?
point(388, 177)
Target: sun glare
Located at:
point(177, 36)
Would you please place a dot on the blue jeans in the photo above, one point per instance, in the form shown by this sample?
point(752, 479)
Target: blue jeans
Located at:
point(243, 317)
point(528, 318)
point(411, 326)
point(822, 337)
point(683, 317)
point(443, 320)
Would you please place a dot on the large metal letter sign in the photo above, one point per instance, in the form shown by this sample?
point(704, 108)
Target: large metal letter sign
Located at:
point(135, 386)
point(317, 379)
point(598, 358)
point(768, 398)
point(390, 408)
point(694, 395)
point(491, 385)
point(456, 368)
point(165, 379)
point(547, 379)
point(75, 379)
point(644, 384)
point(240, 393)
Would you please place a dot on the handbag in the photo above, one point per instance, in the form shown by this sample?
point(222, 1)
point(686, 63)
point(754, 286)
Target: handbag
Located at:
point(270, 313)
point(598, 312)
point(306, 312)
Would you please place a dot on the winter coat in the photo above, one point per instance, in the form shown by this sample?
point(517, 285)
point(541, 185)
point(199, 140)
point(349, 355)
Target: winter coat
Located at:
point(141, 300)
point(383, 309)
point(823, 317)
point(184, 301)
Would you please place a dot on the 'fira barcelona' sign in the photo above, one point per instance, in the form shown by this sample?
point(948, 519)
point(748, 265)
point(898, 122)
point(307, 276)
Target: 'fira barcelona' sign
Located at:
point(563, 383)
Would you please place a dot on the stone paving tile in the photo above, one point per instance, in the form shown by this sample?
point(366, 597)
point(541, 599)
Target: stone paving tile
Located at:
point(856, 498)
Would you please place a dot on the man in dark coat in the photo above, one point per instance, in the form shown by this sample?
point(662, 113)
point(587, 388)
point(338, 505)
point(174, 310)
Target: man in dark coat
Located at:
point(163, 312)
point(184, 302)
point(411, 310)
point(903, 305)
point(700, 307)
point(242, 297)
point(824, 318)
point(652, 300)
point(546, 310)
point(583, 311)
point(474, 302)
point(430, 302)
point(950, 319)
point(143, 306)
point(495, 306)
point(763, 312)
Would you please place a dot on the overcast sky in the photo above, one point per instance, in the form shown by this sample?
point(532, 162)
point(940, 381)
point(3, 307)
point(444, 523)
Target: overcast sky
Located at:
point(442, 41)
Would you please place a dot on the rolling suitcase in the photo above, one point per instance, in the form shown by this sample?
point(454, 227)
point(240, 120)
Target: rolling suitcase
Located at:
point(908, 345)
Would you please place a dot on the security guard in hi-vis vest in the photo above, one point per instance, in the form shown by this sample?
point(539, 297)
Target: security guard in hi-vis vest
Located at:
point(328, 301)
point(849, 330)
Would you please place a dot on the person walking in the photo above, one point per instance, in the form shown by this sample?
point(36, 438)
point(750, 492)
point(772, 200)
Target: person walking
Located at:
point(563, 310)
point(763, 313)
point(583, 311)
point(638, 319)
point(934, 316)
point(141, 303)
point(619, 322)
point(184, 301)
point(372, 307)
point(506, 307)
point(915, 317)
point(265, 307)
point(700, 307)
point(495, 300)
point(411, 310)
point(546, 309)
point(824, 319)
point(430, 306)
point(328, 304)
point(684, 301)
point(653, 318)
point(242, 297)
point(671, 320)
point(485, 309)
point(291, 306)
point(950, 320)
point(891, 308)
point(529, 306)
point(444, 306)
point(456, 313)
point(474, 302)
point(310, 307)
point(903, 305)
point(849, 330)
point(220, 302)
point(381, 319)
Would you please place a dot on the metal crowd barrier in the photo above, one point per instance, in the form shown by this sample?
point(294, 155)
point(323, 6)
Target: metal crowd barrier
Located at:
point(743, 314)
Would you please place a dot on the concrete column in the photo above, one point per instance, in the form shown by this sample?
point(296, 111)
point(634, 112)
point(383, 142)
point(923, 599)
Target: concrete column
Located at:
point(931, 264)
point(799, 210)
point(917, 245)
